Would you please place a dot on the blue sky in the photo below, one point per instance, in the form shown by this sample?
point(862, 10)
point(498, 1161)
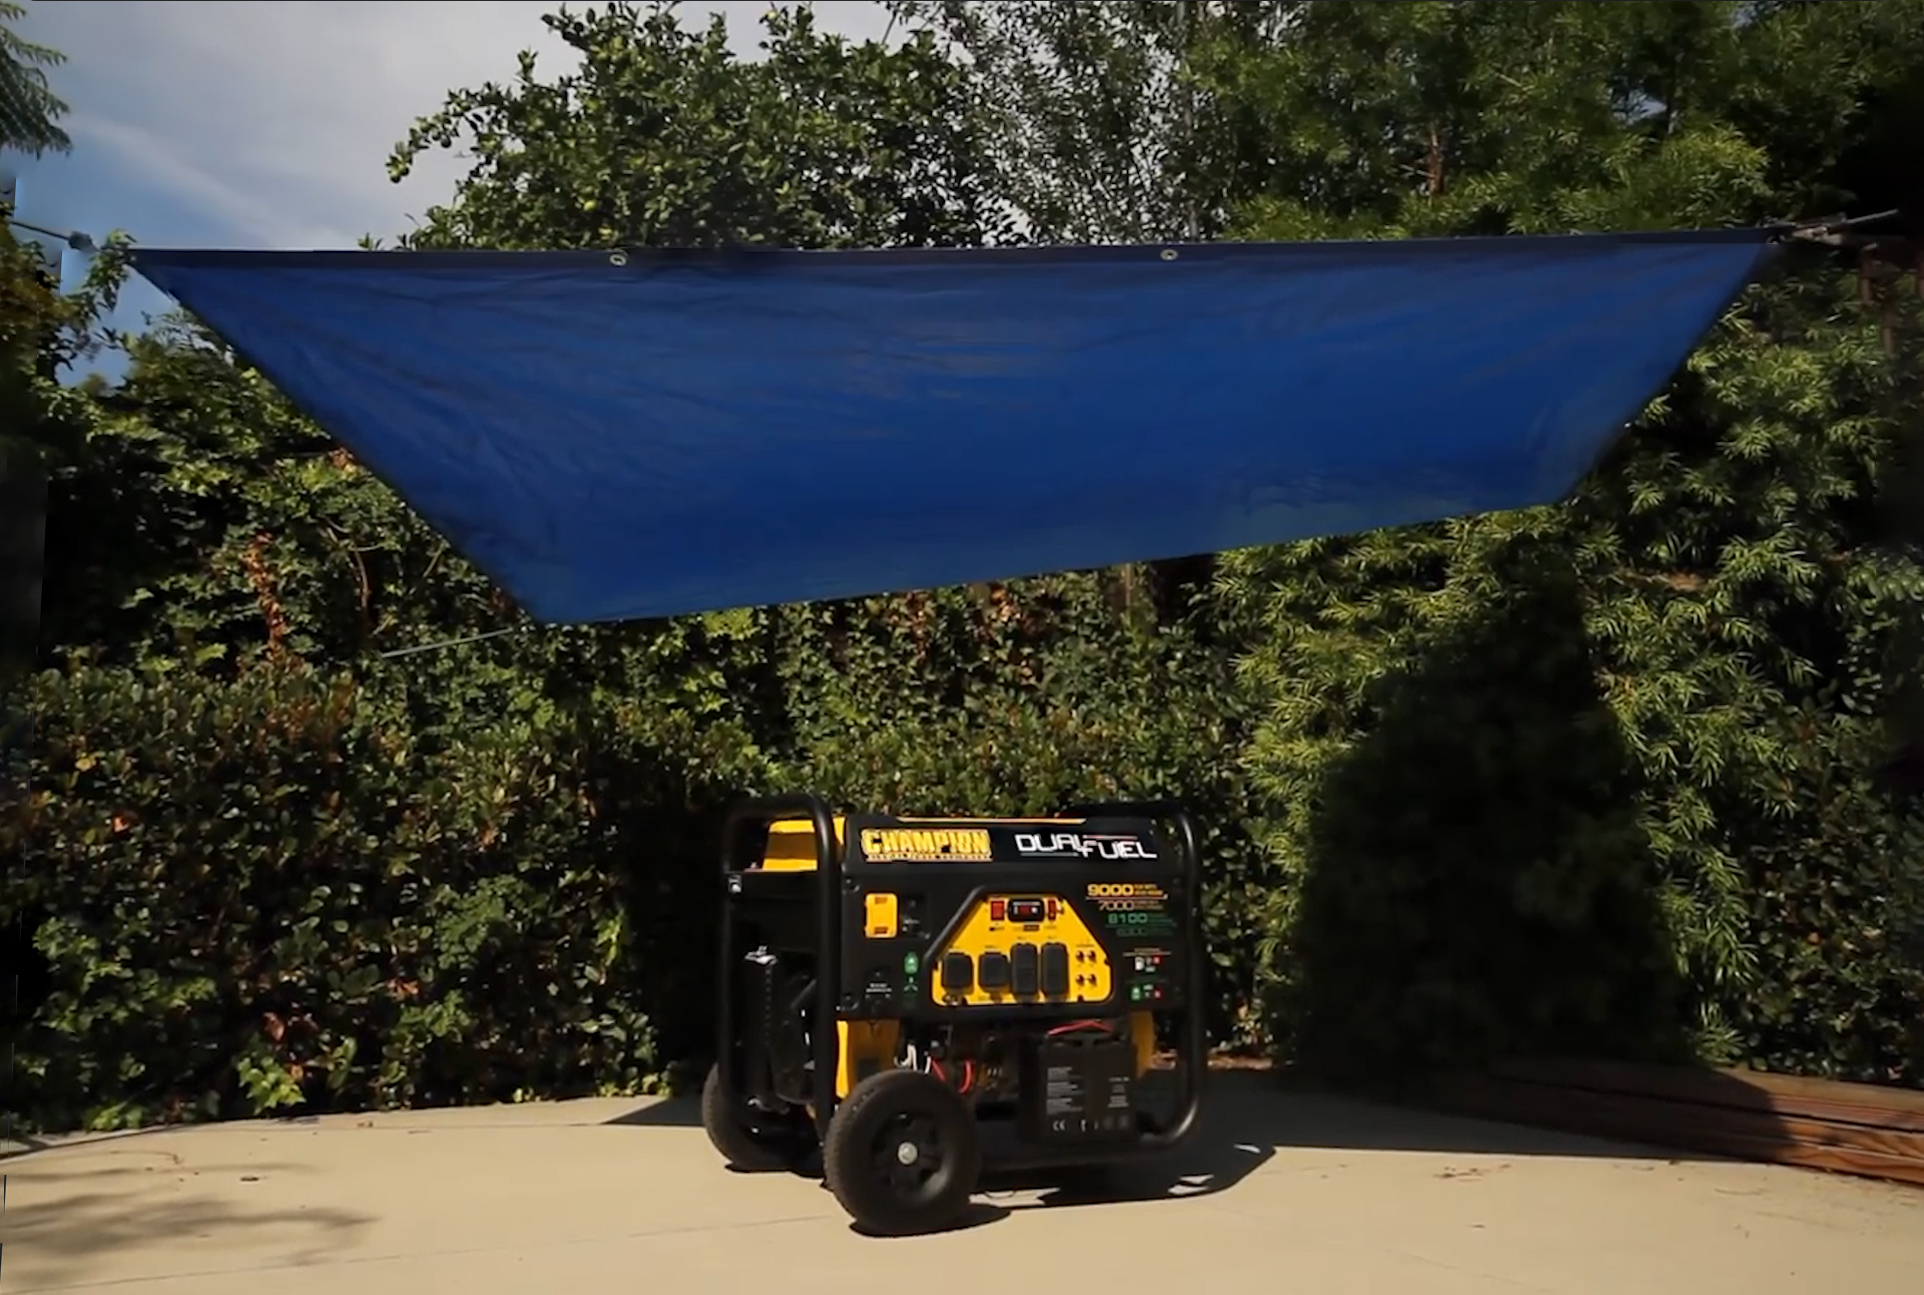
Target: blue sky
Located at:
point(265, 124)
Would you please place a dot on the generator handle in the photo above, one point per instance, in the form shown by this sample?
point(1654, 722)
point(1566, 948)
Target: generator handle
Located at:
point(760, 814)
point(1192, 1043)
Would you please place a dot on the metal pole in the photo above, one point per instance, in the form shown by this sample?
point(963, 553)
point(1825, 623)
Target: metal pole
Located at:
point(1191, 231)
point(73, 238)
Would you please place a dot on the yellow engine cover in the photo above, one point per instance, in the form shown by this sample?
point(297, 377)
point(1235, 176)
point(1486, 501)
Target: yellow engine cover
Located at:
point(791, 844)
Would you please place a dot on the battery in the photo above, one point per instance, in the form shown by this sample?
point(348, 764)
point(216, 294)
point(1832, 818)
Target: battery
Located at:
point(1077, 1089)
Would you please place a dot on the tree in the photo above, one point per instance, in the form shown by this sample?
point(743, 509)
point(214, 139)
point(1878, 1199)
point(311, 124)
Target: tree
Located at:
point(29, 109)
point(1602, 777)
point(1584, 778)
point(1661, 670)
point(224, 580)
point(1105, 131)
point(34, 321)
point(968, 700)
point(664, 138)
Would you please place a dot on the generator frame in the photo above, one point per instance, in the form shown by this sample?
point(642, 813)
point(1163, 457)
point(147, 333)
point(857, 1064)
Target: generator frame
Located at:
point(824, 889)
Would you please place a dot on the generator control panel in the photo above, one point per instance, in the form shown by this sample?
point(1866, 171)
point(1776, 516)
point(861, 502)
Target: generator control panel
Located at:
point(985, 919)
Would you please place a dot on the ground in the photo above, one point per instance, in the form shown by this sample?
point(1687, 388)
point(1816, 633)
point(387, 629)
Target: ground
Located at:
point(1280, 1190)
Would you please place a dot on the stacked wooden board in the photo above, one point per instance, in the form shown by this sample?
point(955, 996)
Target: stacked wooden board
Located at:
point(1859, 1129)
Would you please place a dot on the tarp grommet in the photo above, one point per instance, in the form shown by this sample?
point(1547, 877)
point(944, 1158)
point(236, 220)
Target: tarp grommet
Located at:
point(617, 258)
point(1170, 254)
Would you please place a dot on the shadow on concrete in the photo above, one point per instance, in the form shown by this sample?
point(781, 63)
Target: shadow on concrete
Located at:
point(55, 1234)
point(1264, 1110)
point(663, 1113)
point(1205, 1166)
point(1255, 1108)
point(130, 1164)
point(1248, 1118)
point(51, 1245)
point(978, 1213)
point(1217, 1160)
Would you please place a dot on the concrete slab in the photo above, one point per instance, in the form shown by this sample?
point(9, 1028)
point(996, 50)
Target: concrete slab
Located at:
point(1313, 1193)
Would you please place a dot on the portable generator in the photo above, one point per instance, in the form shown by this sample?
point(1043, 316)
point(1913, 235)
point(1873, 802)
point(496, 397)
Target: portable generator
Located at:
point(911, 1003)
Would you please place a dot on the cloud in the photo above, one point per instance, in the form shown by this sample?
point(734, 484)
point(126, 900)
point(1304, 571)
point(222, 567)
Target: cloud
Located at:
point(162, 162)
point(270, 124)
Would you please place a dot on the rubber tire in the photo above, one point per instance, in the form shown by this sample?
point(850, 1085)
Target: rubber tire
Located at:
point(849, 1150)
point(741, 1146)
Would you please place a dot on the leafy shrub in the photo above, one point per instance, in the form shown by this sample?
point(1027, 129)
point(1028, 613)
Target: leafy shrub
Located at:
point(254, 895)
point(1608, 778)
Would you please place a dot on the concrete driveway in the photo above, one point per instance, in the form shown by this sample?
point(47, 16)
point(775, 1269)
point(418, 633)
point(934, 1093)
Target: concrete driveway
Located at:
point(1281, 1190)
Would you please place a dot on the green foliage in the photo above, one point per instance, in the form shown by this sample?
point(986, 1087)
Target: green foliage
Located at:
point(952, 701)
point(29, 110)
point(256, 894)
point(1095, 126)
point(1599, 729)
point(1611, 777)
point(663, 138)
point(204, 539)
point(1020, 699)
point(1527, 778)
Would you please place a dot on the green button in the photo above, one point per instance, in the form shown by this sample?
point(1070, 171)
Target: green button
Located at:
point(911, 964)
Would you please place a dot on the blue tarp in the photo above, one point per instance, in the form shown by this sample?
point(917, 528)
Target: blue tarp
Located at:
point(625, 435)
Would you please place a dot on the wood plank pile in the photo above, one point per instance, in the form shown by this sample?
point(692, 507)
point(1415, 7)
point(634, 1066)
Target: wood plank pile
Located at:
point(1860, 1129)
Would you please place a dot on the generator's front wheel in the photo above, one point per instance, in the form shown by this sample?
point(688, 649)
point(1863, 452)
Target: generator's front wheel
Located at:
point(902, 1154)
point(743, 1144)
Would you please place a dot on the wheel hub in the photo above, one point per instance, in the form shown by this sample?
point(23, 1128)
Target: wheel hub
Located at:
point(908, 1155)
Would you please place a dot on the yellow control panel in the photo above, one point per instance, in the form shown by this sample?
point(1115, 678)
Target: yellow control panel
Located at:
point(1016, 949)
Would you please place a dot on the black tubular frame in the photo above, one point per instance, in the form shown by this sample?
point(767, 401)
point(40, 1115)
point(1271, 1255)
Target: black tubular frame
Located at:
point(758, 816)
point(1192, 1047)
point(1192, 1044)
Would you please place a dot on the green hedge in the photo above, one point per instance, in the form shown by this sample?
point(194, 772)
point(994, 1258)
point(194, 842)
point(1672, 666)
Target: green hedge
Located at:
point(1608, 778)
point(284, 888)
point(257, 894)
point(1616, 777)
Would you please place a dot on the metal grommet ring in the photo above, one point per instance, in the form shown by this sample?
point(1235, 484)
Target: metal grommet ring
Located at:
point(617, 258)
point(1170, 254)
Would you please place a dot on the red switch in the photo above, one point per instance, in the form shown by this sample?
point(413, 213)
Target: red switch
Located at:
point(1052, 908)
point(998, 909)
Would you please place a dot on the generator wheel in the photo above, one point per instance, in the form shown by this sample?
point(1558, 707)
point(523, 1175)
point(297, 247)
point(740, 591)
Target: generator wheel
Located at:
point(748, 1148)
point(902, 1154)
